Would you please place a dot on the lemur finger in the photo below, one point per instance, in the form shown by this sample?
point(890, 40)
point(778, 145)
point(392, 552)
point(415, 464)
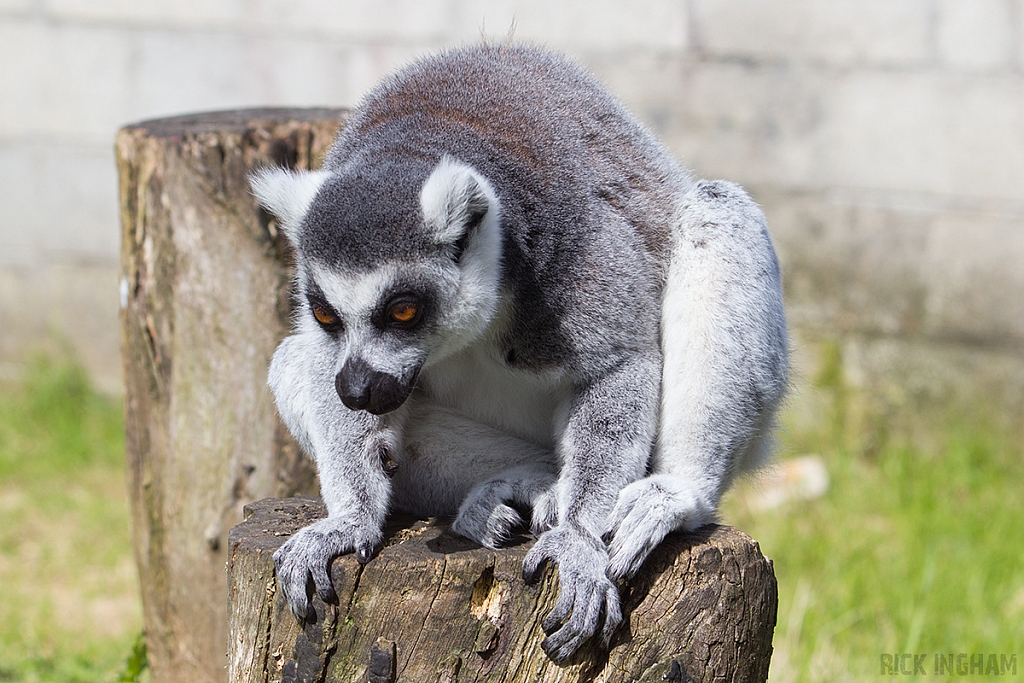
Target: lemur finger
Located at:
point(618, 514)
point(299, 609)
point(293, 587)
point(559, 651)
point(623, 507)
point(500, 525)
point(324, 585)
point(545, 514)
point(561, 645)
point(612, 616)
point(295, 594)
point(627, 556)
point(579, 628)
point(563, 607)
point(533, 562)
point(584, 621)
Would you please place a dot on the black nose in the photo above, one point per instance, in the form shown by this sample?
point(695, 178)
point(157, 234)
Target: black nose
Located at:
point(360, 387)
point(353, 383)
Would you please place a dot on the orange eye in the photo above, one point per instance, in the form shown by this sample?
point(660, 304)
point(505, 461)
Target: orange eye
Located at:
point(323, 316)
point(403, 311)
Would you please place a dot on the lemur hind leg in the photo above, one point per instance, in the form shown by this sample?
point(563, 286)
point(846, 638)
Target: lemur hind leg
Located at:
point(451, 464)
point(725, 350)
point(485, 515)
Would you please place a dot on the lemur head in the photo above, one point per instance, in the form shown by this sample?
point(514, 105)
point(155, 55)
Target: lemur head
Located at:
point(398, 266)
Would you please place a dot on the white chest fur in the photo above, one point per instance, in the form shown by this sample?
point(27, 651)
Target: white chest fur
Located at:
point(479, 385)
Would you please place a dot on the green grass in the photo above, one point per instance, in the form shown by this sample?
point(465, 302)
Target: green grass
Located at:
point(916, 548)
point(69, 606)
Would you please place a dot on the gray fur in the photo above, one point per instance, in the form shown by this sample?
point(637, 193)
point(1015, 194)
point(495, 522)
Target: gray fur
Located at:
point(596, 337)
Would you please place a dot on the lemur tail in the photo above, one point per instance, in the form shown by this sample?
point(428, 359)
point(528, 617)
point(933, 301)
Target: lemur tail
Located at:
point(724, 341)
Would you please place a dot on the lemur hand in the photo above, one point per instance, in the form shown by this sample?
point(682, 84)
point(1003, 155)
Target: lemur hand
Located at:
point(309, 553)
point(585, 591)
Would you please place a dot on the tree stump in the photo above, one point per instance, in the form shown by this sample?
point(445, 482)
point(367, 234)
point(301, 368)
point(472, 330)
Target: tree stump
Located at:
point(433, 607)
point(205, 298)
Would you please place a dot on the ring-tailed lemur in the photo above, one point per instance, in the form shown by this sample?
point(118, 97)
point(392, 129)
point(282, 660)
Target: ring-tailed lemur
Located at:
point(511, 295)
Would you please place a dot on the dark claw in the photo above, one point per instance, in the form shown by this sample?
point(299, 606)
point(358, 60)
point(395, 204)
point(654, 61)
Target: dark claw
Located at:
point(364, 554)
point(553, 651)
point(303, 614)
point(387, 463)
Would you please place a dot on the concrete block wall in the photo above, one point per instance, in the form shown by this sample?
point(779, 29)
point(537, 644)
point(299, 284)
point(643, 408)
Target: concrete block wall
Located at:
point(884, 138)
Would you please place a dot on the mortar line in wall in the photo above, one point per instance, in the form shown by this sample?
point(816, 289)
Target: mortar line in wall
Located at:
point(917, 201)
point(923, 67)
point(350, 39)
point(84, 142)
point(1017, 37)
point(240, 28)
point(692, 51)
point(933, 33)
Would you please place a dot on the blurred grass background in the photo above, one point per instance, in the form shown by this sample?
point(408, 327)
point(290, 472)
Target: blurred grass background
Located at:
point(70, 602)
point(915, 547)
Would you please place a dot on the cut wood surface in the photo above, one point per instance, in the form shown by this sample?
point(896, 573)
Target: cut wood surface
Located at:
point(433, 607)
point(205, 298)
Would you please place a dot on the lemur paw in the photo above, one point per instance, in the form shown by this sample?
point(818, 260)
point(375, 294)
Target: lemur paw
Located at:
point(308, 553)
point(585, 591)
point(646, 512)
point(545, 512)
point(486, 517)
point(488, 525)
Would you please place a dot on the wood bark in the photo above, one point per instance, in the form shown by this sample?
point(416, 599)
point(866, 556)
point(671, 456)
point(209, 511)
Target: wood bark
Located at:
point(433, 607)
point(205, 297)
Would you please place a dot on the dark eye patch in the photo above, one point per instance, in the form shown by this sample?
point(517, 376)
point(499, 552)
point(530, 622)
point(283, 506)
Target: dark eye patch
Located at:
point(404, 308)
point(324, 314)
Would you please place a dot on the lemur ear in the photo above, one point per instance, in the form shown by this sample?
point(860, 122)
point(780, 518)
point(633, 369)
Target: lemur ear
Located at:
point(456, 200)
point(287, 194)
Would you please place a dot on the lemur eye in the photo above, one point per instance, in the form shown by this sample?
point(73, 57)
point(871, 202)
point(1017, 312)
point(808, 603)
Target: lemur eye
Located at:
point(403, 312)
point(323, 316)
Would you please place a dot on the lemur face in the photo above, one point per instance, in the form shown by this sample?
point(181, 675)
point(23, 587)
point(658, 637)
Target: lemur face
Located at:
point(383, 323)
point(391, 277)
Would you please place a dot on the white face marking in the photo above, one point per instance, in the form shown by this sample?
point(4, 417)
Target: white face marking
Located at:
point(356, 296)
point(466, 296)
